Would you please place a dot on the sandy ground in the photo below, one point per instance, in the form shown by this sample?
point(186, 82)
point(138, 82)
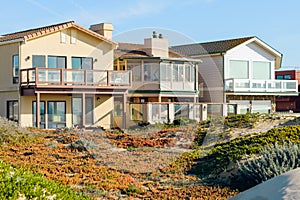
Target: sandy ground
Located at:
point(285, 186)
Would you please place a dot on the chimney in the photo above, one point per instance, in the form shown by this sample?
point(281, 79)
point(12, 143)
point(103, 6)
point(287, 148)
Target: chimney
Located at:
point(157, 45)
point(104, 29)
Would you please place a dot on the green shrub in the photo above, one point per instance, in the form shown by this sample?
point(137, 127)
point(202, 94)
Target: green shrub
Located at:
point(183, 121)
point(20, 183)
point(83, 145)
point(271, 161)
point(143, 123)
point(222, 154)
point(12, 133)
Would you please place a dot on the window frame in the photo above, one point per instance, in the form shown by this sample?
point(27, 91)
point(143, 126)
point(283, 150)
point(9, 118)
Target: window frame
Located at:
point(56, 61)
point(13, 111)
point(56, 123)
point(81, 62)
point(38, 56)
point(42, 122)
point(15, 69)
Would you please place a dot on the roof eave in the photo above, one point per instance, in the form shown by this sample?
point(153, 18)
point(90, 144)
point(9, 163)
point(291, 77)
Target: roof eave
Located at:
point(12, 41)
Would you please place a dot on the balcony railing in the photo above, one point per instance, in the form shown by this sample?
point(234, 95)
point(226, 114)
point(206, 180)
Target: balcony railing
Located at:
point(74, 77)
point(250, 85)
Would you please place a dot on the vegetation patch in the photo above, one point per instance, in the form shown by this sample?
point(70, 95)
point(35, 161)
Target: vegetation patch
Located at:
point(223, 154)
point(271, 161)
point(18, 183)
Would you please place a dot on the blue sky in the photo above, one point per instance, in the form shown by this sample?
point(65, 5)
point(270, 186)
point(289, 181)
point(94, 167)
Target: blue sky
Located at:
point(276, 22)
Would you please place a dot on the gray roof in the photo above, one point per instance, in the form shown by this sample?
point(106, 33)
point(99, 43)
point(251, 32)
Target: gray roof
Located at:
point(209, 47)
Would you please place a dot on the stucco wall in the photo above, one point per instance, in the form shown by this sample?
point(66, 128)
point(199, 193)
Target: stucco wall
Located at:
point(86, 46)
point(6, 64)
point(103, 115)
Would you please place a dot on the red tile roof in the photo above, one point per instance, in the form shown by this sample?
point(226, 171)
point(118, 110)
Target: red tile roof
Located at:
point(37, 32)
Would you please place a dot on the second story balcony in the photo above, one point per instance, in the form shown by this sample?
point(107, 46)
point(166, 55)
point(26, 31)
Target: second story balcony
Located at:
point(74, 78)
point(259, 86)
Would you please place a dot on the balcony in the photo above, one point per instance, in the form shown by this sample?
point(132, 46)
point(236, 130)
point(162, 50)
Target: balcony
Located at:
point(250, 85)
point(71, 78)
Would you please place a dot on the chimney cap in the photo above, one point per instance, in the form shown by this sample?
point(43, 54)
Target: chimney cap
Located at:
point(154, 35)
point(160, 36)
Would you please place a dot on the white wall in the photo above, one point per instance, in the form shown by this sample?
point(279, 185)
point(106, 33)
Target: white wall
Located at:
point(249, 52)
point(211, 74)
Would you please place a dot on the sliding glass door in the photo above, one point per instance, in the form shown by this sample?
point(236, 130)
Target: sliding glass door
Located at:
point(77, 110)
point(56, 114)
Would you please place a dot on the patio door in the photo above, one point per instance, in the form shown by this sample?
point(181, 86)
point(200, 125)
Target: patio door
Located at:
point(77, 104)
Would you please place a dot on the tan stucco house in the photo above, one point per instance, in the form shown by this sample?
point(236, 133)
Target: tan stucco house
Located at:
point(60, 76)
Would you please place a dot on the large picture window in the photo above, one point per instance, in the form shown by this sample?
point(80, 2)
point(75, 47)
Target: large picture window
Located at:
point(239, 69)
point(13, 110)
point(261, 70)
point(15, 69)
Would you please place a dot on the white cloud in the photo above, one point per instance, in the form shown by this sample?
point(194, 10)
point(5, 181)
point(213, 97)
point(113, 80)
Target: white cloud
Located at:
point(45, 8)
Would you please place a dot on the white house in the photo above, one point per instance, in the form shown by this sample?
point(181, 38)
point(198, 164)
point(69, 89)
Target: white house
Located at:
point(239, 71)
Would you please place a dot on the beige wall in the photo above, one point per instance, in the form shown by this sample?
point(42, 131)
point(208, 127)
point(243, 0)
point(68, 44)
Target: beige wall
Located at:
point(103, 113)
point(8, 90)
point(86, 46)
point(6, 76)
point(7, 96)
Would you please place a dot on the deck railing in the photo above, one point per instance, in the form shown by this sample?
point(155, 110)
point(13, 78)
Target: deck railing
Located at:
point(250, 85)
point(74, 77)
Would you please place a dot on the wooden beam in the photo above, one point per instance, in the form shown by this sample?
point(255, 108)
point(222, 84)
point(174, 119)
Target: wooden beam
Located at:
point(38, 112)
point(124, 110)
point(83, 109)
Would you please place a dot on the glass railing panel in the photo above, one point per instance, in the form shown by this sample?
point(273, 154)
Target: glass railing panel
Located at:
point(119, 78)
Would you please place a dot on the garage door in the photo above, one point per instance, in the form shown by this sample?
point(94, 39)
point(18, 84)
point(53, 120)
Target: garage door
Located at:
point(261, 106)
point(243, 106)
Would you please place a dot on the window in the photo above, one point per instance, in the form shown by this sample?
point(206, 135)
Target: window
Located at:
point(238, 69)
point(63, 37)
point(151, 72)
point(287, 77)
point(42, 114)
point(82, 63)
point(165, 71)
point(56, 62)
point(280, 77)
point(135, 67)
point(118, 107)
point(13, 110)
point(175, 73)
point(15, 69)
point(73, 37)
point(261, 70)
point(38, 61)
point(178, 72)
point(56, 114)
point(189, 73)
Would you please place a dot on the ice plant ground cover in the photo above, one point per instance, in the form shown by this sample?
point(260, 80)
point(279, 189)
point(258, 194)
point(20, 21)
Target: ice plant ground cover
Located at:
point(152, 162)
